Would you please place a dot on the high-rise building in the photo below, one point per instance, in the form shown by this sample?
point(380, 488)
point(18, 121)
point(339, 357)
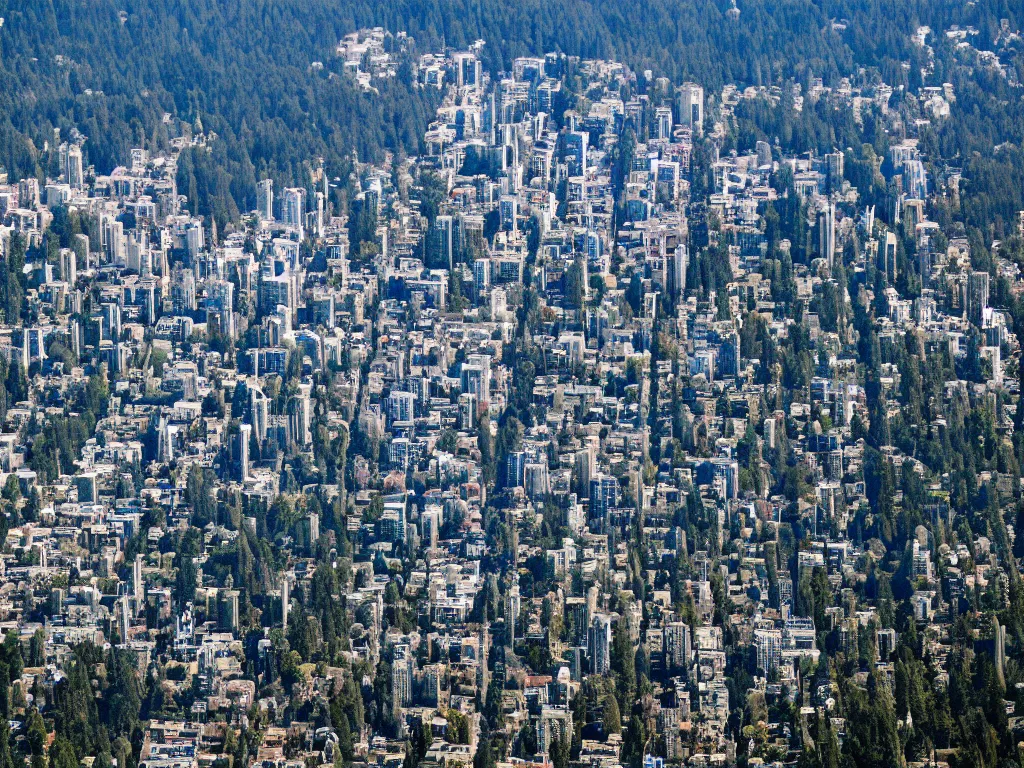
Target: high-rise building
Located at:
point(677, 645)
point(604, 494)
point(309, 532)
point(677, 279)
point(885, 643)
point(599, 644)
point(508, 209)
point(430, 525)
point(512, 610)
point(137, 589)
point(467, 410)
point(220, 307)
point(468, 69)
point(285, 600)
point(399, 453)
point(554, 723)
point(401, 678)
point(515, 469)
point(834, 165)
point(827, 233)
point(922, 561)
point(194, 239)
point(586, 468)
point(977, 296)
point(242, 452)
point(536, 480)
point(769, 649)
point(887, 257)
point(400, 407)
point(259, 413)
point(576, 152)
point(691, 107)
point(663, 123)
point(868, 220)
point(915, 179)
point(783, 592)
point(68, 266)
point(28, 193)
point(481, 276)
point(476, 377)
point(293, 208)
point(445, 238)
point(265, 199)
point(71, 165)
point(321, 212)
point(299, 415)
point(140, 157)
point(835, 465)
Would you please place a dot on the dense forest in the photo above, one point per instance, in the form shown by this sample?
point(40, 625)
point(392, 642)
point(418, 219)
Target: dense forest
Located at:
point(112, 71)
point(244, 74)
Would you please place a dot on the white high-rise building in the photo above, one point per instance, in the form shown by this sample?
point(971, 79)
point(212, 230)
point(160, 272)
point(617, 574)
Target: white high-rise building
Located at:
point(68, 266)
point(401, 678)
point(321, 208)
point(691, 107)
point(299, 414)
point(138, 592)
point(769, 649)
point(293, 207)
point(265, 199)
point(476, 377)
point(285, 600)
point(194, 239)
point(71, 165)
point(679, 263)
point(515, 605)
point(259, 413)
point(245, 432)
point(827, 233)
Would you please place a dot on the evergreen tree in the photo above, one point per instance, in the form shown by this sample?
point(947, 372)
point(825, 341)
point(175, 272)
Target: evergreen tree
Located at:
point(624, 663)
point(612, 719)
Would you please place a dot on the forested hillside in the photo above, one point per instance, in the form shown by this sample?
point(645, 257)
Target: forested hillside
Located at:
point(112, 70)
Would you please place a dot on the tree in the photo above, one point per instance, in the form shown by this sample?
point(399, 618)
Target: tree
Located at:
point(635, 740)
point(612, 719)
point(485, 443)
point(484, 757)
point(434, 191)
point(458, 727)
point(448, 441)
point(526, 742)
point(826, 747)
point(123, 697)
point(121, 749)
point(62, 754)
point(16, 383)
point(185, 580)
point(873, 739)
point(560, 751)
point(199, 489)
point(624, 663)
point(76, 715)
point(575, 290)
point(7, 760)
point(36, 732)
point(37, 648)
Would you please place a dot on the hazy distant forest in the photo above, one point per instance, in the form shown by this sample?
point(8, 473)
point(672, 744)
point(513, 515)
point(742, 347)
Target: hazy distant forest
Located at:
point(111, 70)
